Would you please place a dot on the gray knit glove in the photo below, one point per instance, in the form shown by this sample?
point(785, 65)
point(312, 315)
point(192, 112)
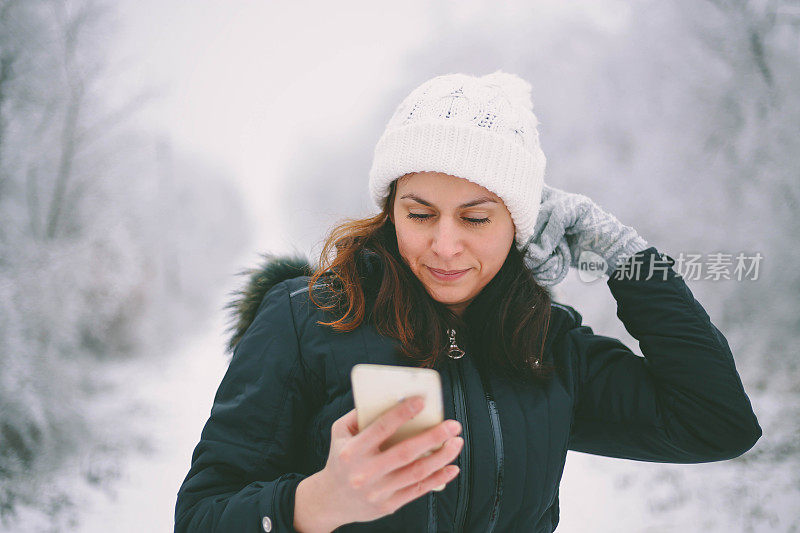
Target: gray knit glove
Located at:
point(570, 224)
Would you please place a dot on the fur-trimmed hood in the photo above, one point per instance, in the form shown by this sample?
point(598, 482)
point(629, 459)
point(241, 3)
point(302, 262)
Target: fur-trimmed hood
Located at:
point(272, 270)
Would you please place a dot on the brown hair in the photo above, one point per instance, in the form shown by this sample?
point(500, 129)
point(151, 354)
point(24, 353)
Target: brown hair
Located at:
point(396, 302)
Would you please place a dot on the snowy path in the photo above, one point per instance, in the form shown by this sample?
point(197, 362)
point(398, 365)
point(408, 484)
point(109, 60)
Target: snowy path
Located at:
point(179, 395)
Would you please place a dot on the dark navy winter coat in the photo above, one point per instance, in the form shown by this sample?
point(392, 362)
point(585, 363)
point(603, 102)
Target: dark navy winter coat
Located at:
point(289, 379)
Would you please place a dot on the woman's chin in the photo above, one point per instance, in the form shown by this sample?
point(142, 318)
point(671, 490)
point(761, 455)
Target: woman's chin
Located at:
point(447, 297)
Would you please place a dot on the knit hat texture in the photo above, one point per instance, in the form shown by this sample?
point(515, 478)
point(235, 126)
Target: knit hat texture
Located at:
point(478, 128)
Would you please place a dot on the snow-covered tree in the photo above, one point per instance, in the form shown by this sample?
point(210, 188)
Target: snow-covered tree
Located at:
point(111, 241)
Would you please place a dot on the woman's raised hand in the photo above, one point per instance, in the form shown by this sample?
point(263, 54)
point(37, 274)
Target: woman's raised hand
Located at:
point(361, 483)
point(570, 224)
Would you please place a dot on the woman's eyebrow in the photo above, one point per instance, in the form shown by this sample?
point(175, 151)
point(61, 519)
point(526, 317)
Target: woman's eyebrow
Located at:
point(476, 201)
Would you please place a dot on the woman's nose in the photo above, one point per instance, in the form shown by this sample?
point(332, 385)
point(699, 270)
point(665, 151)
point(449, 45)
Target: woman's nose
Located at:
point(446, 238)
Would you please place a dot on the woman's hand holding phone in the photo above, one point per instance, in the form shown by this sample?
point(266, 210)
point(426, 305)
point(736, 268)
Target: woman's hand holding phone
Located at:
point(360, 482)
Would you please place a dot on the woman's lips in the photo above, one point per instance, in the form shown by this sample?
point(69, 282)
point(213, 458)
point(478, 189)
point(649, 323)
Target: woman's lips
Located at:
point(447, 275)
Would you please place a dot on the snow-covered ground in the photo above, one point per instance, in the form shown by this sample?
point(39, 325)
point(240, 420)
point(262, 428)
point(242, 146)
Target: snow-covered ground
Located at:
point(176, 397)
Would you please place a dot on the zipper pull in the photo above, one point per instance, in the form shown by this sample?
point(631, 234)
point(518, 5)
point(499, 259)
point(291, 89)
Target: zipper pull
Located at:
point(454, 351)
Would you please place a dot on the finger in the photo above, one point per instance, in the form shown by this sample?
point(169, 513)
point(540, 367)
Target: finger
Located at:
point(346, 425)
point(412, 448)
point(385, 425)
point(415, 490)
point(423, 467)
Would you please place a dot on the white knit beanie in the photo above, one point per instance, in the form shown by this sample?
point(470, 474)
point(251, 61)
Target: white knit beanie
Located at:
point(478, 128)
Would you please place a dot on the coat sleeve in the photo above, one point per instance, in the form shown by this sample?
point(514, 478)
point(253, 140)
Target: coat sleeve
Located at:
point(243, 472)
point(684, 401)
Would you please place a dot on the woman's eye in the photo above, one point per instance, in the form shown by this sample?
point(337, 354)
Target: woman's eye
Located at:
point(474, 221)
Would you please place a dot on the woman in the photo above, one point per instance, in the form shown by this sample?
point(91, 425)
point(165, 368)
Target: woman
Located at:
point(453, 274)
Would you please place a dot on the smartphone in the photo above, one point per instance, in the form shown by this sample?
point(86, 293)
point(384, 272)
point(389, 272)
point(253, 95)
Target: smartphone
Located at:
point(378, 388)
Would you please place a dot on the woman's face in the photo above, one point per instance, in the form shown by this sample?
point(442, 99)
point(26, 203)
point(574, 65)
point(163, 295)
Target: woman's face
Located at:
point(445, 223)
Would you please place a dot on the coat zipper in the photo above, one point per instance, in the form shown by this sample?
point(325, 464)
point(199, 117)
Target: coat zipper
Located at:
point(432, 523)
point(461, 415)
point(497, 436)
